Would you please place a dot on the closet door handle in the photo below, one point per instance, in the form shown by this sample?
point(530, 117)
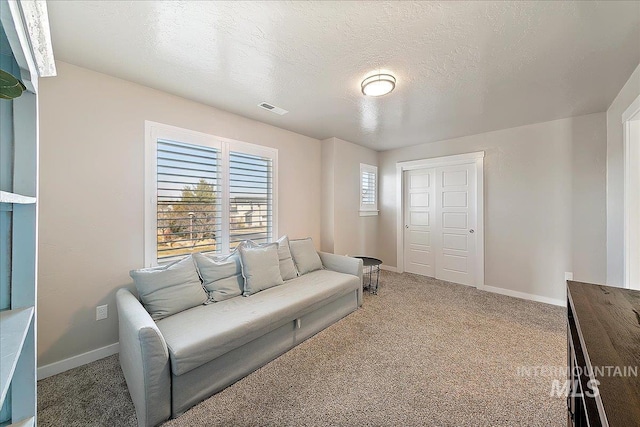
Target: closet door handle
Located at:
point(472, 231)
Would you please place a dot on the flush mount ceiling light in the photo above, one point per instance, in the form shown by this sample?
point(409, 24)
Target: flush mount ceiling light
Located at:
point(378, 84)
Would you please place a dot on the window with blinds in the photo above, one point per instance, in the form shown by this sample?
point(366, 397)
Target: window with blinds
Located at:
point(206, 194)
point(250, 198)
point(368, 190)
point(189, 202)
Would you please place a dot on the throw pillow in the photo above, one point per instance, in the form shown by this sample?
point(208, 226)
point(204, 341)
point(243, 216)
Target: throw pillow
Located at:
point(305, 255)
point(287, 267)
point(221, 275)
point(260, 267)
point(169, 289)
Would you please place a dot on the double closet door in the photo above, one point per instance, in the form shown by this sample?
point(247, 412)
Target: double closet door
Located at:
point(439, 222)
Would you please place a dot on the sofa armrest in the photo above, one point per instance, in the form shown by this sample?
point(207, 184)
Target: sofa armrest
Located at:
point(144, 358)
point(344, 264)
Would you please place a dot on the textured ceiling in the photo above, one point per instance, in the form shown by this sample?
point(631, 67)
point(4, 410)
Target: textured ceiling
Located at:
point(462, 67)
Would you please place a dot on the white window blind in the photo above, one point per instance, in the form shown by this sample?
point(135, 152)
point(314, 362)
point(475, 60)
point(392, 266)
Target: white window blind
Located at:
point(250, 198)
point(368, 189)
point(205, 194)
point(189, 205)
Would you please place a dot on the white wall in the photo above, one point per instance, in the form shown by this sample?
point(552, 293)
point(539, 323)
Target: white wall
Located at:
point(328, 195)
point(589, 213)
point(344, 231)
point(544, 202)
point(615, 179)
point(91, 187)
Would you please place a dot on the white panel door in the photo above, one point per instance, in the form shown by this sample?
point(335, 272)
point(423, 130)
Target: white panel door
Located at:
point(419, 213)
point(454, 239)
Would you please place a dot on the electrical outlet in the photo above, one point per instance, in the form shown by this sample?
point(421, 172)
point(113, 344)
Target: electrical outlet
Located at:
point(102, 312)
point(568, 275)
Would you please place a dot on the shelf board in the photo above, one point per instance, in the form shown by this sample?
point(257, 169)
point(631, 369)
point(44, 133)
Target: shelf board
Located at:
point(6, 197)
point(14, 325)
point(29, 422)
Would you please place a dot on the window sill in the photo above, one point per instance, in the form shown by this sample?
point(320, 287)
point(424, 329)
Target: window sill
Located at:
point(6, 197)
point(369, 213)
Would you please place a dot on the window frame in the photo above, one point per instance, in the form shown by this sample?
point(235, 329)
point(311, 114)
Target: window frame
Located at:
point(155, 131)
point(368, 210)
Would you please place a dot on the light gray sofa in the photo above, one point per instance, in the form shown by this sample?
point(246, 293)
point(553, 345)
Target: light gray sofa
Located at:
point(174, 363)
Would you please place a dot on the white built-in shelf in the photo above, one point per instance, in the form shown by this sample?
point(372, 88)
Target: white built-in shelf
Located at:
point(14, 325)
point(29, 422)
point(6, 197)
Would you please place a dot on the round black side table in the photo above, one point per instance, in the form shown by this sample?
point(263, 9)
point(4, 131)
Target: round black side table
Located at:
point(374, 267)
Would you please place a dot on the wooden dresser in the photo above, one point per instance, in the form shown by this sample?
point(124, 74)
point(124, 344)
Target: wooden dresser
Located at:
point(603, 331)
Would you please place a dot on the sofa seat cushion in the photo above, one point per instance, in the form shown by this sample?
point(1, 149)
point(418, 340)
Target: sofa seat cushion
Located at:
point(199, 335)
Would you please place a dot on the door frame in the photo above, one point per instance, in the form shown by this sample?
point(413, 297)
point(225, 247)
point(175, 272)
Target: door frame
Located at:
point(629, 114)
point(476, 158)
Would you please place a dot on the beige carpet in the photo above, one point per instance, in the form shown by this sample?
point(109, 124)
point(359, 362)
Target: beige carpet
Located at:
point(422, 352)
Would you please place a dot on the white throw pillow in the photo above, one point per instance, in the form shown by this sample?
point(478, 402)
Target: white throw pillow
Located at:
point(260, 267)
point(287, 266)
point(221, 275)
point(169, 289)
point(305, 255)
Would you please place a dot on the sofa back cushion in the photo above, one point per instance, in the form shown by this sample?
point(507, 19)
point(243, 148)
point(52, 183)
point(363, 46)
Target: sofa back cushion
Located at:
point(169, 289)
point(305, 255)
point(221, 275)
point(260, 267)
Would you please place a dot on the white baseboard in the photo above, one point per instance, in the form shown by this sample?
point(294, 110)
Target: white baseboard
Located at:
point(524, 295)
point(75, 361)
point(388, 268)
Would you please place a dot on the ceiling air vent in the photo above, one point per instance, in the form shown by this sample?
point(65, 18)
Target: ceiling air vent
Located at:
point(273, 108)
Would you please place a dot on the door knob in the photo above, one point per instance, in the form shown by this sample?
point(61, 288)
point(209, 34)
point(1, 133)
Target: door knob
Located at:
point(472, 231)
point(406, 226)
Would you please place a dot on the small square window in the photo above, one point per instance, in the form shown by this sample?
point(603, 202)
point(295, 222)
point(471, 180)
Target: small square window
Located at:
point(368, 190)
